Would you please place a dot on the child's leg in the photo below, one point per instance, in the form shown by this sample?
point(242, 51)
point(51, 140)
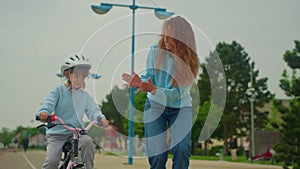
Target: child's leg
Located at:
point(87, 151)
point(54, 150)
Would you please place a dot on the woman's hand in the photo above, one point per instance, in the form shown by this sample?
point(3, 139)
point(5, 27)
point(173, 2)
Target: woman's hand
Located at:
point(148, 86)
point(132, 80)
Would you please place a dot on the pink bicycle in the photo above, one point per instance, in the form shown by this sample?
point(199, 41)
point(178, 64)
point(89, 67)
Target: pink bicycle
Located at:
point(70, 159)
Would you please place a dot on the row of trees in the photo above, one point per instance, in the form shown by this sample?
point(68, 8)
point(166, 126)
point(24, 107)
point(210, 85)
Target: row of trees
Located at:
point(7, 135)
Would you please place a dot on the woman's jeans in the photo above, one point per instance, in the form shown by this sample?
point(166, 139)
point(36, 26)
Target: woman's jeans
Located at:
point(161, 122)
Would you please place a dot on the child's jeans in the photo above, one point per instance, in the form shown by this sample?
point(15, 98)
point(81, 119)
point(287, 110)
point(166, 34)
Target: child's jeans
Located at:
point(54, 150)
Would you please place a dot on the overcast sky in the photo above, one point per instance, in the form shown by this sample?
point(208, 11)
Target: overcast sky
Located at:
point(36, 36)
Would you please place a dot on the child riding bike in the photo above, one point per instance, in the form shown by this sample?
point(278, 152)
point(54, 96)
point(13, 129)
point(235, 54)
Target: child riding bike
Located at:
point(70, 102)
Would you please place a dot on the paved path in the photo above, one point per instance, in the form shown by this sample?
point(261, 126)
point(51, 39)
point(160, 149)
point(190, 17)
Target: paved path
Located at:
point(34, 160)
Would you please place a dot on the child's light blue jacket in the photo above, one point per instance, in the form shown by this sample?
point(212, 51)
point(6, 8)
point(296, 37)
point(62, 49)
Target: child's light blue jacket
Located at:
point(70, 107)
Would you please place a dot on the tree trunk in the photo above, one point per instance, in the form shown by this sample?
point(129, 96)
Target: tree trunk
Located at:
point(205, 148)
point(193, 148)
point(225, 137)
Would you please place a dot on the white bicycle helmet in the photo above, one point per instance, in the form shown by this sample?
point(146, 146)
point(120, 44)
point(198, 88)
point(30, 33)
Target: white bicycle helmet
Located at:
point(75, 60)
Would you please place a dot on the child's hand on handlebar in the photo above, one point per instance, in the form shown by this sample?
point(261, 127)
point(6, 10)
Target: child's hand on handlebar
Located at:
point(103, 122)
point(43, 116)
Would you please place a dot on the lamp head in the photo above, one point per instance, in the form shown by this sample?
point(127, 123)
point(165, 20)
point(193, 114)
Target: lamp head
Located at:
point(102, 9)
point(95, 76)
point(163, 14)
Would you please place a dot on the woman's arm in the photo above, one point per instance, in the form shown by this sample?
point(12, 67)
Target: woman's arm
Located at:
point(175, 93)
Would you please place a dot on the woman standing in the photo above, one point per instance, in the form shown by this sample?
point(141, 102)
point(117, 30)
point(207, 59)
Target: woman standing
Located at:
point(172, 66)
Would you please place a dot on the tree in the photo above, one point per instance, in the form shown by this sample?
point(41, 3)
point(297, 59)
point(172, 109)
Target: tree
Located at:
point(288, 150)
point(114, 108)
point(139, 104)
point(6, 136)
point(209, 98)
point(198, 126)
point(237, 67)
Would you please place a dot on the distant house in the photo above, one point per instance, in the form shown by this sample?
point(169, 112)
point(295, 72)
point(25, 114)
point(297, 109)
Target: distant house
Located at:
point(263, 138)
point(37, 141)
point(268, 138)
point(110, 138)
point(1, 146)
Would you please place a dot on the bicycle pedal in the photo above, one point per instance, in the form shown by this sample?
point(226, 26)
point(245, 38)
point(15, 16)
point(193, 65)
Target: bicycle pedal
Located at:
point(78, 160)
point(79, 166)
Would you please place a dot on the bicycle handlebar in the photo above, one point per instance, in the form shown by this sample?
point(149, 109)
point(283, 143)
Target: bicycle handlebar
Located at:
point(52, 118)
point(74, 130)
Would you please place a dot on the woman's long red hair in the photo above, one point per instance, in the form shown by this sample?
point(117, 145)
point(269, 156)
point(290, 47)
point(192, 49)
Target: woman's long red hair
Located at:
point(183, 48)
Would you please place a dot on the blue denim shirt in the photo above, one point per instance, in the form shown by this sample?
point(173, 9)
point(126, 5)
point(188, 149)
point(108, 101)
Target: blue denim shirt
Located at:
point(166, 94)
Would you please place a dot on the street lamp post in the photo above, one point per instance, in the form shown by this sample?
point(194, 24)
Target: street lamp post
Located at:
point(252, 126)
point(161, 13)
point(251, 92)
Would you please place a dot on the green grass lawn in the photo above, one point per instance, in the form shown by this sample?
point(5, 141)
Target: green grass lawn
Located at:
point(241, 159)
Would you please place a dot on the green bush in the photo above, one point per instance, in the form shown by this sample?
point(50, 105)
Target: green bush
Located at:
point(199, 151)
point(214, 150)
point(240, 151)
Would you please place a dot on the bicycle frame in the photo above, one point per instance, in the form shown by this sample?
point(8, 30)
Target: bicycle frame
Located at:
point(75, 161)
